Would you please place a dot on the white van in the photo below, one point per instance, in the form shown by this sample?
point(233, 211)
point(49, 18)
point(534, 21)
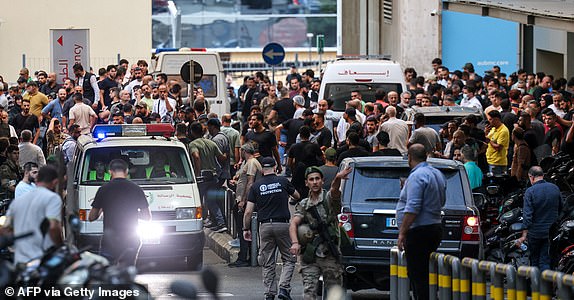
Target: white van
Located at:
point(176, 228)
point(343, 76)
point(212, 82)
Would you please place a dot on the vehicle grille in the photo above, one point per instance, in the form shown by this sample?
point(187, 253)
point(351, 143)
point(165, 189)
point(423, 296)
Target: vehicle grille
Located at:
point(163, 215)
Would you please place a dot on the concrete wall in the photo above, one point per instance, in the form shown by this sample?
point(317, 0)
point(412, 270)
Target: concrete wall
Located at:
point(122, 27)
point(551, 51)
point(412, 37)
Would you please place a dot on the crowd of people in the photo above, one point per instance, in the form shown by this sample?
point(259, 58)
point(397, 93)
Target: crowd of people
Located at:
point(286, 128)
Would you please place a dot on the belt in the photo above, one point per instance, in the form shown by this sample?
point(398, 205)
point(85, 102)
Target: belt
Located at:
point(278, 220)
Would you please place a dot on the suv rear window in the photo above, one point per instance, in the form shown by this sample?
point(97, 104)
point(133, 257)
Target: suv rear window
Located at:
point(340, 93)
point(382, 187)
point(172, 166)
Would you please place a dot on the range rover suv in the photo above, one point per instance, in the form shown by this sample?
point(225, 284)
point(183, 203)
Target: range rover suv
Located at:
point(370, 195)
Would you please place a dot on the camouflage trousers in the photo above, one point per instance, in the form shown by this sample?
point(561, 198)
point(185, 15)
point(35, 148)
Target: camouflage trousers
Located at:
point(331, 270)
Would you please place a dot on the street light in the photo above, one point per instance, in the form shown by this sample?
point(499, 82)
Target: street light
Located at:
point(309, 37)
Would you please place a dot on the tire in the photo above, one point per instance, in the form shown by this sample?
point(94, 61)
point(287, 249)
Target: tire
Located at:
point(194, 263)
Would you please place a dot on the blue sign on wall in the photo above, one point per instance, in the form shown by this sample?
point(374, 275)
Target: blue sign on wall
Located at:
point(483, 41)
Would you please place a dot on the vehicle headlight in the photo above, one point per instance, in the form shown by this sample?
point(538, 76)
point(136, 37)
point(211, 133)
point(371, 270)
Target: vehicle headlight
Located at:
point(187, 213)
point(149, 229)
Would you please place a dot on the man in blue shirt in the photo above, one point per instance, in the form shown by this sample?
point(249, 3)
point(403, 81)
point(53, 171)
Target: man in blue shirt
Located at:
point(55, 107)
point(419, 217)
point(542, 203)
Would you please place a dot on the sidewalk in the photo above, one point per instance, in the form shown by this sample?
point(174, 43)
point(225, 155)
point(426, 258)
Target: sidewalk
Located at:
point(218, 243)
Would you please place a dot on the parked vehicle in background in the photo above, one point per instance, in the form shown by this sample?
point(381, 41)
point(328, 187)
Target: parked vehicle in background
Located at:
point(370, 195)
point(169, 62)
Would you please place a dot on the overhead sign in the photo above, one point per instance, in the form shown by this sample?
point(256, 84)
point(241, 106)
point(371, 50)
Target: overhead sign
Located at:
point(273, 53)
point(185, 72)
point(68, 47)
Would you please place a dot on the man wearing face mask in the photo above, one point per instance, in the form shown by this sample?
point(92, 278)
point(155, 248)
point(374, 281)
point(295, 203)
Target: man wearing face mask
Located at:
point(469, 99)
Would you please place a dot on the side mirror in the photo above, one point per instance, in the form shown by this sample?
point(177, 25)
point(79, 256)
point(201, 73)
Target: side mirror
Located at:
point(479, 199)
point(207, 175)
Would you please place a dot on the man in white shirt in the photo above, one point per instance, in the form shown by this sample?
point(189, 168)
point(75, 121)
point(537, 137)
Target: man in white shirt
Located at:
point(28, 181)
point(397, 129)
point(469, 99)
point(27, 213)
point(164, 105)
point(137, 81)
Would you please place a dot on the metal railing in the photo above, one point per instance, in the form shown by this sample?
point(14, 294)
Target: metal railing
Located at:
point(452, 278)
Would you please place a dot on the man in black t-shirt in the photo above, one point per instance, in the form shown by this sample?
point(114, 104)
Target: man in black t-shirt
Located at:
point(354, 149)
point(107, 83)
point(270, 196)
point(120, 200)
point(26, 120)
point(264, 138)
point(301, 156)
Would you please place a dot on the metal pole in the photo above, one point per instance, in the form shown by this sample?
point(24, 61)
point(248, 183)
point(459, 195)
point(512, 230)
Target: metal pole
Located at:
point(273, 71)
point(254, 240)
point(432, 276)
point(191, 82)
point(320, 63)
point(23, 60)
point(119, 58)
point(465, 278)
point(456, 272)
point(404, 289)
point(444, 278)
point(394, 273)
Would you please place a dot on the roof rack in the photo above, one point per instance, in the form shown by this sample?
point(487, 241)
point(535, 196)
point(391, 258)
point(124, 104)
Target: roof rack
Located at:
point(370, 56)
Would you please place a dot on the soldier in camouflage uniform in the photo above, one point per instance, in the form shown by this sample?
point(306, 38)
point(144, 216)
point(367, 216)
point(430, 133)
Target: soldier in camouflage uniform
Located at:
point(316, 257)
point(10, 172)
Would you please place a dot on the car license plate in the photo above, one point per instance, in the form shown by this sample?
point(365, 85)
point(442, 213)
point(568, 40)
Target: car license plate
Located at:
point(392, 222)
point(150, 240)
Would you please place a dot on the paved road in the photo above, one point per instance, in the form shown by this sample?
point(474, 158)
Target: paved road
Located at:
point(235, 283)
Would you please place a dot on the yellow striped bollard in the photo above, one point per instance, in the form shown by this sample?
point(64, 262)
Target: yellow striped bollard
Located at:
point(444, 278)
point(548, 278)
point(489, 266)
point(509, 272)
point(403, 278)
point(522, 276)
point(478, 287)
point(394, 288)
point(433, 275)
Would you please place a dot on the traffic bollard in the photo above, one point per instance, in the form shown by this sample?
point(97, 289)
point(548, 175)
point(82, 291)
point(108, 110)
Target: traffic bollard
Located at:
point(404, 284)
point(565, 287)
point(548, 278)
point(478, 279)
point(444, 279)
point(465, 279)
point(522, 275)
point(455, 265)
point(394, 273)
point(488, 266)
point(433, 273)
point(503, 271)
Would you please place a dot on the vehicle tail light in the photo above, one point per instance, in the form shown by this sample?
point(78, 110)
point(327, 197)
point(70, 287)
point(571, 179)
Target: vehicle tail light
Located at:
point(471, 228)
point(84, 214)
point(346, 221)
point(363, 80)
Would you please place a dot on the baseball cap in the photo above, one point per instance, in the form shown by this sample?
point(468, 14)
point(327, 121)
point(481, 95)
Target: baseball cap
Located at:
point(313, 169)
point(330, 154)
point(268, 162)
point(248, 147)
point(141, 104)
point(299, 100)
point(214, 122)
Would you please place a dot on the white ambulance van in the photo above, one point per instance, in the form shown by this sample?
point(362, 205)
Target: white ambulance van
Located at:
point(176, 228)
point(169, 61)
point(343, 76)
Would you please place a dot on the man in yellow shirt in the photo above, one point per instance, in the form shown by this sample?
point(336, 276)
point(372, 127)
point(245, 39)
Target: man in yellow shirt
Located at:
point(498, 137)
point(37, 99)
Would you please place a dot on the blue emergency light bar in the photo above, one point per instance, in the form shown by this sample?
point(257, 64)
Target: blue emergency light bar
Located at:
point(129, 130)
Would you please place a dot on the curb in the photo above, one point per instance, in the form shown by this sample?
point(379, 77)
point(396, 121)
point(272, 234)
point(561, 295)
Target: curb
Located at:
point(218, 243)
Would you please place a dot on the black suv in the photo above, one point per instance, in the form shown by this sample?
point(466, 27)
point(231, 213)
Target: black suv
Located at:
point(370, 196)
